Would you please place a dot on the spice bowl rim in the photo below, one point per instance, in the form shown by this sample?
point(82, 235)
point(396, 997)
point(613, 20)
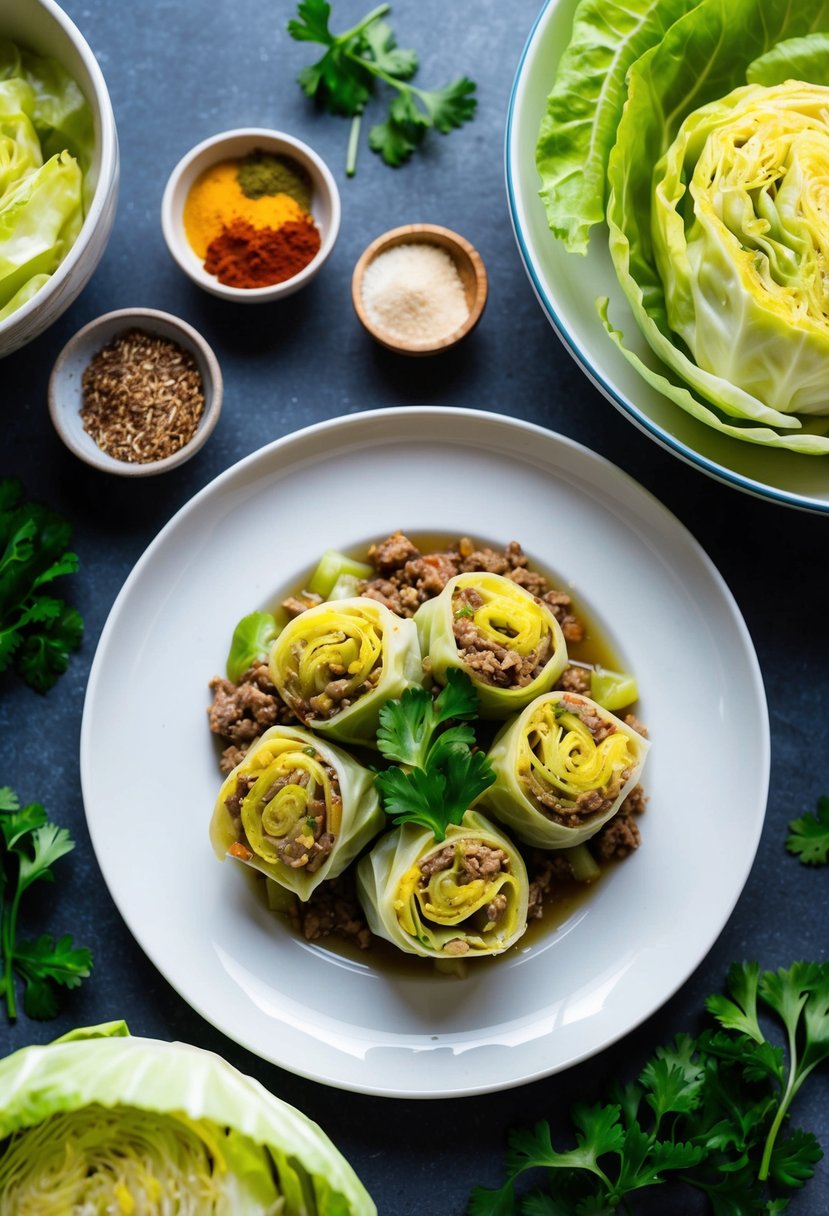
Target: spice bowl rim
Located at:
point(458, 248)
point(65, 395)
point(224, 146)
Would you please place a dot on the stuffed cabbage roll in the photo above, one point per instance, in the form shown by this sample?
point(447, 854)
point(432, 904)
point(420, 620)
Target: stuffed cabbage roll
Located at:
point(507, 641)
point(297, 808)
point(462, 897)
point(337, 664)
point(562, 769)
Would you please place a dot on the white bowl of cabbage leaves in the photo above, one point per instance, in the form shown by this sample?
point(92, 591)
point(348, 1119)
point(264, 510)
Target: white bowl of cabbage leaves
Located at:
point(58, 167)
point(667, 166)
point(99, 1121)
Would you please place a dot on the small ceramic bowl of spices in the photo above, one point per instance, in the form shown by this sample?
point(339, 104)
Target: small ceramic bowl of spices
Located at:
point(135, 392)
point(251, 215)
point(419, 289)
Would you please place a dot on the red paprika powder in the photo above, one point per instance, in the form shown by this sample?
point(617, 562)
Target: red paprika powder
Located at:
point(245, 256)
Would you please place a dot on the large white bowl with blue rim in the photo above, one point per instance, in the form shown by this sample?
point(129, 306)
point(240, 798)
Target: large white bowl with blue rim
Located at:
point(43, 27)
point(567, 286)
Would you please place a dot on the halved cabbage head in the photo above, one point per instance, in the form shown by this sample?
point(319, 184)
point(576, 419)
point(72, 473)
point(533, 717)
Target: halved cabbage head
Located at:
point(102, 1122)
point(507, 641)
point(462, 898)
point(562, 769)
point(742, 244)
point(296, 808)
point(337, 664)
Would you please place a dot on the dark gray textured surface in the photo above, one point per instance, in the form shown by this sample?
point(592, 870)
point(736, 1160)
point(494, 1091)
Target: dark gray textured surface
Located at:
point(178, 73)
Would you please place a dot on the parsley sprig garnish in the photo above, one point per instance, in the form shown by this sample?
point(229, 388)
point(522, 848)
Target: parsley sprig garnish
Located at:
point(29, 847)
point(809, 836)
point(345, 78)
point(442, 776)
point(37, 630)
point(706, 1112)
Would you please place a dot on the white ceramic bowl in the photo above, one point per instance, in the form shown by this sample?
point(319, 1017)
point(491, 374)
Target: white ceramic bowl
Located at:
point(567, 287)
point(66, 392)
point(325, 207)
point(44, 28)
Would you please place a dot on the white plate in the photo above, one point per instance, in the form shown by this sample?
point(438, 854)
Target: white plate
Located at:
point(148, 763)
point(568, 285)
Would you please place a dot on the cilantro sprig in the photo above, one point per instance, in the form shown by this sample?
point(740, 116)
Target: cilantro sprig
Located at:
point(442, 776)
point(29, 847)
point(37, 630)
point(809, 836)
point(707, 1112)
point(344, 80)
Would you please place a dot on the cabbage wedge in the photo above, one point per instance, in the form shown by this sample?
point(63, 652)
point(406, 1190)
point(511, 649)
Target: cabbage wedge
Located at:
point(335, 665)
point(507, 641)
point(100, 1122)
point(462, 898)
point(716, 249)
point(297, 808)
point(563, 768)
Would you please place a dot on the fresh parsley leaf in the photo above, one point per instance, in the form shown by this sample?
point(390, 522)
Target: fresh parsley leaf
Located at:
point(809, 836)
point(707, 1110)
point(415, 797)
point(37, 631)
point(29, 847)
point(355, 62)
point(443, 776)
point(54, 960)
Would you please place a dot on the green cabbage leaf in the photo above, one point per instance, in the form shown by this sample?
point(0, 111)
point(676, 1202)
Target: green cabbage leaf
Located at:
point(585, 105)
point(713, 205)
point(101, 1121)
point(46, 147)
point(793, 59)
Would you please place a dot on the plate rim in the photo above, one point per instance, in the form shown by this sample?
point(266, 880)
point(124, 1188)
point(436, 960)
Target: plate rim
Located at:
point(362, 420)
point(712, 468)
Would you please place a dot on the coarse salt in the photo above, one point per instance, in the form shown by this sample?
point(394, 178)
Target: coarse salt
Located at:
point(413, 293)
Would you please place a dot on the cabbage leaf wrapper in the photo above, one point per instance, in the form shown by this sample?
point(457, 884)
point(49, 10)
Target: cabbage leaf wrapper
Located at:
point(507, 641)
point(563, 768)
point(296, 808)
point(99, 1121)
point(336, 665)
point(461, 898)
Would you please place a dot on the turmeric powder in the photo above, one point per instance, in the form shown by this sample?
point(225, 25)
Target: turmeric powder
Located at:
point(216, 199)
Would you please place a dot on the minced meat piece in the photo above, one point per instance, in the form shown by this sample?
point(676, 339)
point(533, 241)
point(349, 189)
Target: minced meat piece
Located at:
point(633, 722)
point(479, 861)
point(617, 839)
point(575, 679)
point(332, 909)
point(498, 665)
point(241, 712)
point(530, 580)
point(392, 553)
point(294, 605)
point(545, 870)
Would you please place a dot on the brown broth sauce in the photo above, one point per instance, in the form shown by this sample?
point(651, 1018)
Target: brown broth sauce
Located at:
point(597, 649)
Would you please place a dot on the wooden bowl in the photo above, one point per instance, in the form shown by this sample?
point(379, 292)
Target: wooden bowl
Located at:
point(470, 268)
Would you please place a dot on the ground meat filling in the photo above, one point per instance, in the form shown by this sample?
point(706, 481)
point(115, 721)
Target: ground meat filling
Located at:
point(591, 804)
point(241, 712)
point(308, 845)
point(332, 909)
point(477, 861)
point(336, 695)
point(406, 578)
point(491, 662)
